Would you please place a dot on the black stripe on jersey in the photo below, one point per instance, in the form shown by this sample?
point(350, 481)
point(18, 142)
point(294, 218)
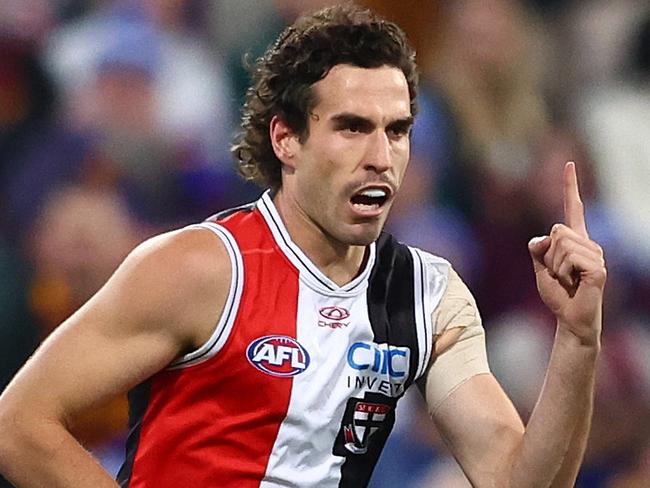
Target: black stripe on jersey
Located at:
point(391, 299)
point(138, 402)
point(391, 310)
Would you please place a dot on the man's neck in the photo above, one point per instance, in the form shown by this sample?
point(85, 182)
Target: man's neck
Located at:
point(340, 262)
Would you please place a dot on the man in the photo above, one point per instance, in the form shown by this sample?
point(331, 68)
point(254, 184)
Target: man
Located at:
point(271, 343)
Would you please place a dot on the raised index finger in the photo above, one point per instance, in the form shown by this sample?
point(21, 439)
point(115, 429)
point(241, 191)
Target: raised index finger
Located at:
point(574, 214)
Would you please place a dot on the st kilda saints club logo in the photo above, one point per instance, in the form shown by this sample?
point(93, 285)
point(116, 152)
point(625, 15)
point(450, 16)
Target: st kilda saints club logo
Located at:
point(366, 420)
point(333, 317)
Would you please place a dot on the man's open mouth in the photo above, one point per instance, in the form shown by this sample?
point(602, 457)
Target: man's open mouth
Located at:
point(370, 198)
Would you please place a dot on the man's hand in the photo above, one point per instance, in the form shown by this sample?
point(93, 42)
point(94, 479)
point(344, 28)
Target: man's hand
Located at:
point(570, 268)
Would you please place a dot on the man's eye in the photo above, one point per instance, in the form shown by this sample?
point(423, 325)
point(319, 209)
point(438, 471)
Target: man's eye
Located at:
point(352, 127)
point(398, 132)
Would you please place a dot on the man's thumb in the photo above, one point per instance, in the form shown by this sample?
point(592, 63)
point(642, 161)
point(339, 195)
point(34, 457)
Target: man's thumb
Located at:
point(537, 247)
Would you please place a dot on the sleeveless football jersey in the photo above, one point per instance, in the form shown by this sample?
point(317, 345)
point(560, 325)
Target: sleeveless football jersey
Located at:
point(298, 384)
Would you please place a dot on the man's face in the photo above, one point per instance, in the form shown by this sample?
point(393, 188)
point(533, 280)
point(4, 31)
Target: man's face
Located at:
point(347, 171)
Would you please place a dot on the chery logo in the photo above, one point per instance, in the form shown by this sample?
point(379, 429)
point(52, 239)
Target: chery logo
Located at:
point(333, 316)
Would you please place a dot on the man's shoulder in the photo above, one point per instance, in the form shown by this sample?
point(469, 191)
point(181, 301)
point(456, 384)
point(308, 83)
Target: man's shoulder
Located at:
point(186, 259)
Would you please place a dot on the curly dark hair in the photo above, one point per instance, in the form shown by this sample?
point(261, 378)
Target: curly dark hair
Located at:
point(302, 55)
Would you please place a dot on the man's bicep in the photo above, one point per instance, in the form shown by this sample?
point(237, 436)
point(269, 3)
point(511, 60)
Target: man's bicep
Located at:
point(458, 343)
point(463, 359)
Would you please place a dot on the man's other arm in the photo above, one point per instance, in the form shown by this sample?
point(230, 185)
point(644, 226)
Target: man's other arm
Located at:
point(161, 302)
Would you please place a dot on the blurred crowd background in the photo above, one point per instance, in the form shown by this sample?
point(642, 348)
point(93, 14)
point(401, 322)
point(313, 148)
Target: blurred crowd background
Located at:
point(115, 122)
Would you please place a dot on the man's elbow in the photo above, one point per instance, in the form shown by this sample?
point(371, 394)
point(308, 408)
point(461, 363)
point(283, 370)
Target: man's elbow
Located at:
point(508, 440)
point(9, 435)
point(20, 430)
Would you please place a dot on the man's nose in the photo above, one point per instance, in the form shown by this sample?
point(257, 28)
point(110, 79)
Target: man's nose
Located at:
point(378, 157)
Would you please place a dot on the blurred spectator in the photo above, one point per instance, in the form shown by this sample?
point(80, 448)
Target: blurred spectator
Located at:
point(243, 29)
point(26, 20)
point(616, 121)
point(598, 42)
point(192, 101)
point(488, 72)
point(76, 243)
point(112, 131)
point(27, 95)
point(420, 19)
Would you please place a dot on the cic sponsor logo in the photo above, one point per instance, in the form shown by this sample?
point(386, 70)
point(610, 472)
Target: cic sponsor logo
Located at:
point(333, 317)
point(380, 368)
point(278, 355)
point(379, 358)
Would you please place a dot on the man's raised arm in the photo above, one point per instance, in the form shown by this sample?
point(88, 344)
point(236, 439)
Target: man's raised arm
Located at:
point(162, 301)
point(477, 419)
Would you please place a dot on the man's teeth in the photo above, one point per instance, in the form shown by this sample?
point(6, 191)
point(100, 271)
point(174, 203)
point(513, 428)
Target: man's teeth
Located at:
point(374, 193)
point(370, 199)
point(363, 206)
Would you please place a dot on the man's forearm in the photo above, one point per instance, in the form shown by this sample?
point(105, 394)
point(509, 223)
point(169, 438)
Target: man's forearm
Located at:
point(45, 454)
point(553, 445)
point(568, 473)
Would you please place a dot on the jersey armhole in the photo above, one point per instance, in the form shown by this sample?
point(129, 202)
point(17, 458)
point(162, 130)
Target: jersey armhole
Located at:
point(431, 274)
point(225, 324)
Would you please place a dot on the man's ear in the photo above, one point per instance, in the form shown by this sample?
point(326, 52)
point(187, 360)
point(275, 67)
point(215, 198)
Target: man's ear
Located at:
point(284, 141)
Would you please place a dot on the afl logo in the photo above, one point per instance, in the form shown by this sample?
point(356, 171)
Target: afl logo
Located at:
point(278, 355)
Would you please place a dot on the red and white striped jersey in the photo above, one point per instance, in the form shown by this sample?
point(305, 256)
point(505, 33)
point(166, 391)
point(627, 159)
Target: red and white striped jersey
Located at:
point(298, 384)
